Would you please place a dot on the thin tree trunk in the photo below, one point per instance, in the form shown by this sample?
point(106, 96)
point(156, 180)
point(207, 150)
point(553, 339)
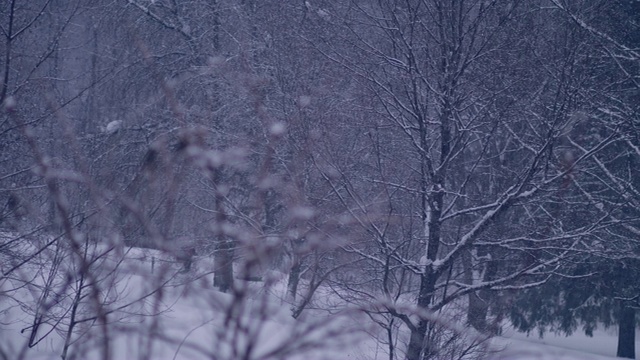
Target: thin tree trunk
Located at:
point(223, 261)
point(72, 320)
point(223, 257)
point(7, 57)
point(627, 332)
point(294, 279)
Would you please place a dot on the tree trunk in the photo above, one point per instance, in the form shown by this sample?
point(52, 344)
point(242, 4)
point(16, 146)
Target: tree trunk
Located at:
point(478, 308)
point(417, 349)
point(223, 257)
point(477, 312)
point(294, 278)
point(479, 303)
point(416, 341)
point(223, 261)
point(627, 332)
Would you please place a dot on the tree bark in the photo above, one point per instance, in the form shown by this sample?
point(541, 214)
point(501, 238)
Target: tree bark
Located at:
point(478, 308)
point(294, 278)
point(223, 260)
point(627, 332)
point(432, 207)
point(418, 348)
point(223, 257)
point(479, 303)
point(477, 312)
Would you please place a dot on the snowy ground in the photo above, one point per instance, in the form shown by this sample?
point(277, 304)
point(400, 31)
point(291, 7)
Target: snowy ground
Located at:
point(192, 319)
point(577, 346)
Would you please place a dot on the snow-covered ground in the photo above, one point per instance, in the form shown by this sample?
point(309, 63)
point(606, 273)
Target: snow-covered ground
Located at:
point(577, 346)
point(191, 322)
point(553, 346)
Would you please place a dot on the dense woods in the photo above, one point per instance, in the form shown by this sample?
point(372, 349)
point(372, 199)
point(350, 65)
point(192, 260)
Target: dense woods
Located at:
point(438, 168)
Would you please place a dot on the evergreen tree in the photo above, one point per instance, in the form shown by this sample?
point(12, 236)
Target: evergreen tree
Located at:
point(601, 292)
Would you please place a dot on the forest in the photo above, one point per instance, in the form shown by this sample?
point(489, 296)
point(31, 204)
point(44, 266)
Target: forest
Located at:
point(305, 176)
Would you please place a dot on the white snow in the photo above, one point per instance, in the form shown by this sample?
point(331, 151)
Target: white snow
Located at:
point(10, 103)
point(278, 128)
point(302, 212)
point(304, 101)
point(192, 323)
point(516, 349)
point(113, 126)
point(577, 346)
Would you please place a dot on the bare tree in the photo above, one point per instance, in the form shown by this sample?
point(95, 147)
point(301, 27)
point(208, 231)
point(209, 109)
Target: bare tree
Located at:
point(482, 144)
